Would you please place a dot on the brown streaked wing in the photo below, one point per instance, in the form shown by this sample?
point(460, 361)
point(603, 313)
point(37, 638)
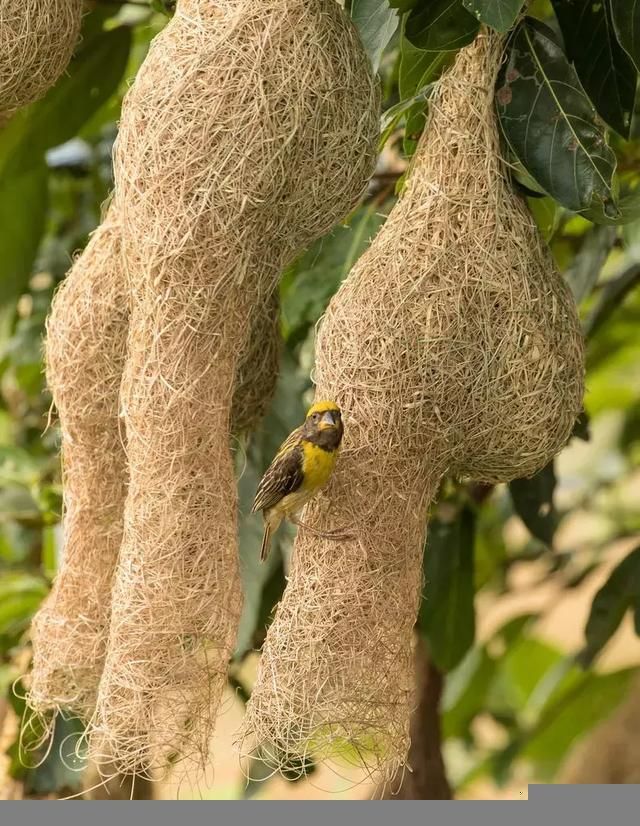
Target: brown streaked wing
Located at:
point(283, 476)
point(291, 441)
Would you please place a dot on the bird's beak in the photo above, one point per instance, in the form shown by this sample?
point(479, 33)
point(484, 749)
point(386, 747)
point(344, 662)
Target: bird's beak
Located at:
point(327, 420)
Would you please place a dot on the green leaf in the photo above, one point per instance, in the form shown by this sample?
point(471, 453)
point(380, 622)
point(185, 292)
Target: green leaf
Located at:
point(166, 7)
point(605, 70)
point(613, 294)
point(551, 125)
point(419, 68)
point(310, 282)
point(533, 502)
point(93, 76)
point(432, 35)
point(524, 663)
point(23, 210)
point(546, 214)
point(440, 26)
point(631, 239)
point(627, 202)
point(447, 613)
point(514, 629)
point(20, 597)
point(499, 14)
point(465, 692)
point(583, 271)
point(620, 593)
point(404, 5)
point(574, 713)
point(49, 551)
point(376, 21)
point(394, 114)
point(626, 20)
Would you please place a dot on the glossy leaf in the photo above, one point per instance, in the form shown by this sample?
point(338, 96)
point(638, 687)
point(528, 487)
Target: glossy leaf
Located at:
point(533, 502)
point(447, 613)
point(499, 14)
point(551, 125)
point(605, 70)
point(93, 75)
point(440, 26)
point(377, 22)
point(546, 215)
point(432, 35)
point(626, 20)
point(419, 68)
point(619, 594)
point(394, 114)
point(23, 209)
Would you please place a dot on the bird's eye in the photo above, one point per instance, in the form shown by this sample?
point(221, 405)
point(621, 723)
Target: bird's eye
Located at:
point(316, 417)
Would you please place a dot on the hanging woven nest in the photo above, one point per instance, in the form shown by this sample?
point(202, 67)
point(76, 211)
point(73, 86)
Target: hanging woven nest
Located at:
point(453, 347)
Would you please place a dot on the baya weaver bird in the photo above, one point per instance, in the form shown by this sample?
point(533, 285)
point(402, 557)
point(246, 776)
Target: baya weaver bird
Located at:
point(301, 467)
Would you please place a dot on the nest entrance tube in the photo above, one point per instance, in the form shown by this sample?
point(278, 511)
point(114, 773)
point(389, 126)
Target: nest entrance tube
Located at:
point(85, 353)
point(250, 130)
point(452, 347)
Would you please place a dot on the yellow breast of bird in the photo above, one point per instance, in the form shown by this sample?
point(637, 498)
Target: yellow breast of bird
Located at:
point(317, 466)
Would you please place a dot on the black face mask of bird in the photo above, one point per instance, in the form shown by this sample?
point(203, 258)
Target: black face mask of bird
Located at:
point(324, 429)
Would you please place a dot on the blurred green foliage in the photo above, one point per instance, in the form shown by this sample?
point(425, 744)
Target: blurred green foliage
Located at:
point(55, 173)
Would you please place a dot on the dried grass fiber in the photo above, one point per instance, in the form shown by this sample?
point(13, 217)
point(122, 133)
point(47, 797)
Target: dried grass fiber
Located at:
point(250, 130)
point(453, 347)
point(37, 39)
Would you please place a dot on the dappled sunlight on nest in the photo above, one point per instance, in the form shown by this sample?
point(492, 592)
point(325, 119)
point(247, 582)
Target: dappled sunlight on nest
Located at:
point(250, 130)
point(453, 346)
point(37, 39)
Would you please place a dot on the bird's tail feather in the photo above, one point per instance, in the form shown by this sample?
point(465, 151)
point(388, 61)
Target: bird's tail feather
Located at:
point(266, 542)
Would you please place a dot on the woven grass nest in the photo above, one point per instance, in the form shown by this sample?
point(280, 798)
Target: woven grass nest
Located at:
point(37, 39)
point(250, 130)
point(453, 347)
point(86, 348)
